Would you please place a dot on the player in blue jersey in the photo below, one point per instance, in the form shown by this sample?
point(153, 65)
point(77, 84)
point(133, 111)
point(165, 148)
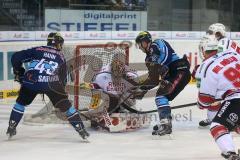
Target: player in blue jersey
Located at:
point(166, 70)
point(46, 74)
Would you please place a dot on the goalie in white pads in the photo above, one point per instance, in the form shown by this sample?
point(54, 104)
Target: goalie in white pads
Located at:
point(115, 80)
point(220, 80)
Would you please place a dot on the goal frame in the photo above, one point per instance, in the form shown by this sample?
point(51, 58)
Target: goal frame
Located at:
point(78, 63)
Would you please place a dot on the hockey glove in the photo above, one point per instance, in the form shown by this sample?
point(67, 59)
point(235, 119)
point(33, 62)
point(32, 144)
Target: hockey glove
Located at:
point(163, 71)
point(165, 87)
point(19, 74)
point(137, 92)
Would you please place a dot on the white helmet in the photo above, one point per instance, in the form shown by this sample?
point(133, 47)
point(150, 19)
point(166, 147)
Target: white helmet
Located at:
point(207, 43)
point(215, 28)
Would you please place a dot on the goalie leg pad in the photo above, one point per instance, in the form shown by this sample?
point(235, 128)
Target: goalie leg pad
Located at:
point(124, 122)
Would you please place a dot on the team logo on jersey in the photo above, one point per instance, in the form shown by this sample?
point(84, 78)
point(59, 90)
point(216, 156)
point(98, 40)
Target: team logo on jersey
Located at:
point(233, 117)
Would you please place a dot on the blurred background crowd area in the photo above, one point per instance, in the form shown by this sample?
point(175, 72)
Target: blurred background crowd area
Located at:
point(159, 15)
point(99, 4)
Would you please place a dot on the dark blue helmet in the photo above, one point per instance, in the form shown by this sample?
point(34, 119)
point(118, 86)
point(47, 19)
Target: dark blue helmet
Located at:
point(55, 39)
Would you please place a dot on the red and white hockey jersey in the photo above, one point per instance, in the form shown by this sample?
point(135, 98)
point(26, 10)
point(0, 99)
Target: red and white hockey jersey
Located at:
point(220, 78)
point(104, 79)
point(227, 44)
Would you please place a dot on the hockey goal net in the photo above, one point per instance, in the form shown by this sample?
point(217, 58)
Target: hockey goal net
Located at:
point(83, 62)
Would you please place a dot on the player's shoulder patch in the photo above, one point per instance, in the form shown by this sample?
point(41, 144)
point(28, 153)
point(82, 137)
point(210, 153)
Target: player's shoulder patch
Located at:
point(154, 49)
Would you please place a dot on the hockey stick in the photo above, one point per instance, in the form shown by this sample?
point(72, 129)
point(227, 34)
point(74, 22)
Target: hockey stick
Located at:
point(151, 111)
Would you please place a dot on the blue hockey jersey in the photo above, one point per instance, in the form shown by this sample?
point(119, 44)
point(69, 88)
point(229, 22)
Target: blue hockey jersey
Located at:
point(159, 57)
point(161, 52)
point(45, 64)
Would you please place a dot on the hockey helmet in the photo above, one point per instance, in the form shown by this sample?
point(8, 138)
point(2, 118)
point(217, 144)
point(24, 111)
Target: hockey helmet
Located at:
point(207, 43)
point(143, 36)
point(55, 39)
point(217, 28)
point(117, 68)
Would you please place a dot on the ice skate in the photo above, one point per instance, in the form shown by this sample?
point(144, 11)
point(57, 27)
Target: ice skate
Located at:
point(231, 156)
point(11, 131)
point(82, 132)
point(204, 123)
point(163, 130)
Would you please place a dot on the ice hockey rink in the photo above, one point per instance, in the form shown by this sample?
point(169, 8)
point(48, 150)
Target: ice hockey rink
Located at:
point(61, 142)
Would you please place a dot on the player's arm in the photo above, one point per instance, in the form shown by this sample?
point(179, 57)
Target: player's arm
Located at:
point(21, 57)
point(17, 60)
point(207, 91)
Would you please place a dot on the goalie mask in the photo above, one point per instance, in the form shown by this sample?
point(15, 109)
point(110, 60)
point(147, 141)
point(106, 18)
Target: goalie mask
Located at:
point(217, 29)
point(207, 44)
point(55, 39)
point(117, 68)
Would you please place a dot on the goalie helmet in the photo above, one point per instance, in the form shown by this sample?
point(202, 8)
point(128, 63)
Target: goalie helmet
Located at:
point(215, 28)
point(117, 68)
point(207, 43)
point(55, 39)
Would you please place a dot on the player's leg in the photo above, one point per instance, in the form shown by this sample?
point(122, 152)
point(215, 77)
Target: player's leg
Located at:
point(25, 97)
point(210, 115)
point(225, 121)
point(164, 112)
point(59, 99)
point(178, 80)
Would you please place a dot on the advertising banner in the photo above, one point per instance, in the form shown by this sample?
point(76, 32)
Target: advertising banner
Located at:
point(94, 20)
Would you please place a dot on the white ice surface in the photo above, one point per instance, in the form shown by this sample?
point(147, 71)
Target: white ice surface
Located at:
point(61, 142)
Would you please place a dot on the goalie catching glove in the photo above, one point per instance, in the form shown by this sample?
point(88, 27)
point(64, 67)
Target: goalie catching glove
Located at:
point(18, 74)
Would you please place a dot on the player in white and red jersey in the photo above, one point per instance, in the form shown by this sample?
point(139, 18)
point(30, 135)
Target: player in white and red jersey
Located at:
point(211, 111)
point(224, 43)
point(220, 79)
point(219, 31)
